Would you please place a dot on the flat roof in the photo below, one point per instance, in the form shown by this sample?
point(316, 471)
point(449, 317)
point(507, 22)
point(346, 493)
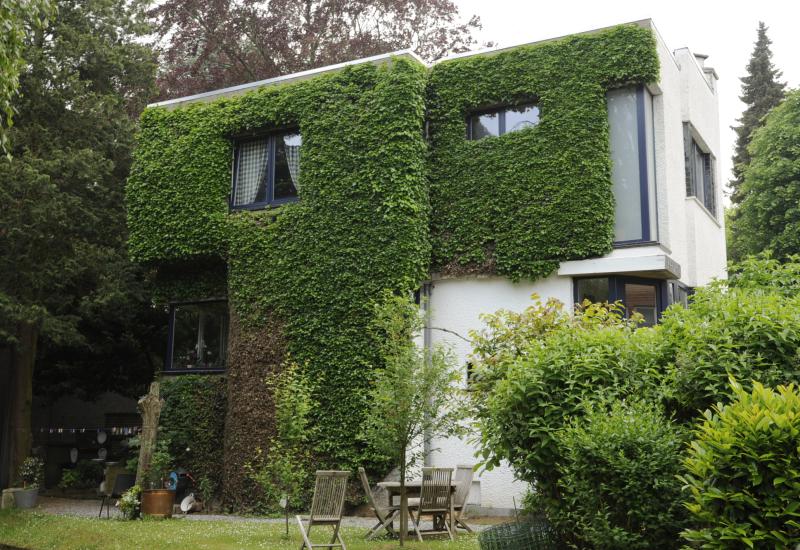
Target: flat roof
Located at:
point(377, 59)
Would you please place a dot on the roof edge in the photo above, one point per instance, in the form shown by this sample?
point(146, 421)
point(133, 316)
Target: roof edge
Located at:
point(302, 75)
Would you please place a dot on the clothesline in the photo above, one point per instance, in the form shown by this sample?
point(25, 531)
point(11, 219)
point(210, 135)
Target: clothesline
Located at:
point(113, 430)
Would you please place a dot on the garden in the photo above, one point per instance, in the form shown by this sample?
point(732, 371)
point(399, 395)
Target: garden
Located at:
point(680, 435)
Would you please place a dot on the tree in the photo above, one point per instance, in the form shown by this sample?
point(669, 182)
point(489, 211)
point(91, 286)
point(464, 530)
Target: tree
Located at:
point(415, 397)
point(761, 91)
point(63, 267)
point(15, 19)
point(768, 218)
point(209, 44)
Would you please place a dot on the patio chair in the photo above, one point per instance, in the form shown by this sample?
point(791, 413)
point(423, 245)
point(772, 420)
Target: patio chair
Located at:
point(464, 474)
point(385, 515)
point(435, 500)
point(122, 482)
point(326, 507)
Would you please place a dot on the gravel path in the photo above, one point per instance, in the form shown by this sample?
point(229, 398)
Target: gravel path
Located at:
point(91, 507)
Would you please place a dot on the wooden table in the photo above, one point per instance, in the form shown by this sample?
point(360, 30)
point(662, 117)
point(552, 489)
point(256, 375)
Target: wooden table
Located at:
point(412, 490)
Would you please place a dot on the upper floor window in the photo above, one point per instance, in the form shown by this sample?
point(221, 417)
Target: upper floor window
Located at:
point(198, 336)
point(266, 170)
point(631, 139)
point(503, 120)
point(700, 181)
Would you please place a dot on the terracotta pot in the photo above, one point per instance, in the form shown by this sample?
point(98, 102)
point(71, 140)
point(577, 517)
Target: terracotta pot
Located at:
point(158, 503)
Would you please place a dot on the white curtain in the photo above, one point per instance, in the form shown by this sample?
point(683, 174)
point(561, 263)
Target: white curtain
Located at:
point(292, 144)
point(250, 174)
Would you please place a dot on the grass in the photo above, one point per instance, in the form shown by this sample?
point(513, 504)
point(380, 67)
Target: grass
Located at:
point(35, 530)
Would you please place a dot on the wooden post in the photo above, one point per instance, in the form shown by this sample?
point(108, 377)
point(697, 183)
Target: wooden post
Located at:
point(150, 408)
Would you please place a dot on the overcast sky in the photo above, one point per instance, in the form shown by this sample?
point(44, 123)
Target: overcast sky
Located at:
point(725, 31)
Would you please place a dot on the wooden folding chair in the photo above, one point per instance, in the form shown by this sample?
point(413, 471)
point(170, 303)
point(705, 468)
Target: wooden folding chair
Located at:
point(464, 474)
point(385, 515)
point(435, 499)
point(326, 507)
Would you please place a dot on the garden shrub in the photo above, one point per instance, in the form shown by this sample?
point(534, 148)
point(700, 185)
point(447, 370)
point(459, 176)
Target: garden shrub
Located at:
point(193, 420)
point(618, 480)
point(596, 359)
point(766, 274)
point(743, 471)
point(745, 333)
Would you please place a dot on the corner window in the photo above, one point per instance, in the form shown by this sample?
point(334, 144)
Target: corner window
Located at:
point(266, 171)
point(700, 181)
point(631, 141)
point(504, 120)
point(638, 295)
point(198, 337)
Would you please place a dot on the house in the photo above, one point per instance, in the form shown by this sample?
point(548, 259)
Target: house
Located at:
point(273, 213)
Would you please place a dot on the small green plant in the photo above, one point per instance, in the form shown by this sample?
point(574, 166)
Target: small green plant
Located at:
point(743, 471)
point(69, 479)
point(161, 463)
point(31, 472)
point(130, 503)
point(282, 471)
point(618, 479)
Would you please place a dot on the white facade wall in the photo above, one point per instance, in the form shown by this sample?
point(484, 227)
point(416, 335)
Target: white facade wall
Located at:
point(689, 236)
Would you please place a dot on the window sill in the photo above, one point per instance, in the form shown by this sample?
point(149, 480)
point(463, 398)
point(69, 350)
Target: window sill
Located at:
point(174, 372)
point(633, 244)
point(272, 206)
point(704, 209)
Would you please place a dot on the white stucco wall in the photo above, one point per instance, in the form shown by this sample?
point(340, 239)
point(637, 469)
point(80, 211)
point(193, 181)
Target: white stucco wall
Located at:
point(456, 305)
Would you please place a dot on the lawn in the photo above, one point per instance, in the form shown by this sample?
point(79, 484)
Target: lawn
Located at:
point(35, 530)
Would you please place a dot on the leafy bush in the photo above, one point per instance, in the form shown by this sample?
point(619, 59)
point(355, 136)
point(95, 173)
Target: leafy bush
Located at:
point(130, 503)
point(618, 480)
point(31, 472)
point(599, 357)
point(743, 471)
point(86, 474)
point(284, 470)
point(745, 333)
point(69, 479)
point(765, 273)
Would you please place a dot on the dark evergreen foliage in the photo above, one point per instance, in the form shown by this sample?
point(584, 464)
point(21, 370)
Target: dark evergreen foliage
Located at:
point(761, 91)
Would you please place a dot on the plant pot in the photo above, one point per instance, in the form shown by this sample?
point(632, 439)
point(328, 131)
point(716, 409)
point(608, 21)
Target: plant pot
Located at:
point(26, 498)
point(158, 503)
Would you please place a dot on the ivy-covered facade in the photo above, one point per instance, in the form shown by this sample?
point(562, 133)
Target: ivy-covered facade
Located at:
point(273, 214)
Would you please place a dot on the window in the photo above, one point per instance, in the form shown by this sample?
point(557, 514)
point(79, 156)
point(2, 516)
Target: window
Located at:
point(198, 337)
point(631, 140)
point(502, 121)
point(643, 296)
point(266, 170)
point(700, 181)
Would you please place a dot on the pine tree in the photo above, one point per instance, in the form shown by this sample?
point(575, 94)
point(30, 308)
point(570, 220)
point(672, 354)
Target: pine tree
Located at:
point(761, 91)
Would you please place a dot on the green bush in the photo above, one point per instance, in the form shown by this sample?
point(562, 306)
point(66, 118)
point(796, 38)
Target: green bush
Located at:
point(618, 478)
point(598, 358)
point(741, 332)
point(743, 471)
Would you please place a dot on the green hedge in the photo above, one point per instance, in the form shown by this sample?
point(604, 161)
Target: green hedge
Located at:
point(517, 204)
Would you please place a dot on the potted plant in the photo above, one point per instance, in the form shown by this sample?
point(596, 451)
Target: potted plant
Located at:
point(30, 472)
point(157, 499)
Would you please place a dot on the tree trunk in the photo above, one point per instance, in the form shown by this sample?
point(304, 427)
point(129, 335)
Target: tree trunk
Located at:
point(403, 500)
point(22, 362)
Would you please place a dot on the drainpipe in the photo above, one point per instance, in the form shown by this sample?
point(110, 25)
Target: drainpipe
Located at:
point(427, 341)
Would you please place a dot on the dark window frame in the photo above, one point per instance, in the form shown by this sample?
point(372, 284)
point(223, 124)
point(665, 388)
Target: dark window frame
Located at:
point(616, 290)
point(269, 174)
point(168, 360)
point(693, 142)
point(500, 110)
point(644, 174)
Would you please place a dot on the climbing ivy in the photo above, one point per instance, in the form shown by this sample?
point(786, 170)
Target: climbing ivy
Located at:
point(517, 204)
point(513, 205)
point(312, 267)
